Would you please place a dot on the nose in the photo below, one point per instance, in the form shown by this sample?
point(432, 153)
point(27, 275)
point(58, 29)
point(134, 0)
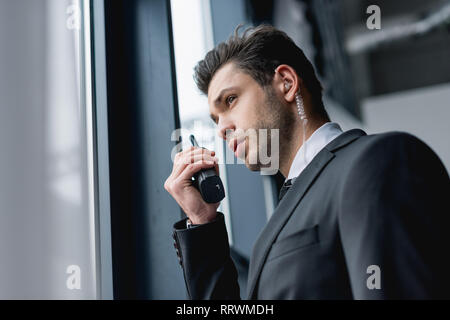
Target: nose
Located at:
point(225, 128)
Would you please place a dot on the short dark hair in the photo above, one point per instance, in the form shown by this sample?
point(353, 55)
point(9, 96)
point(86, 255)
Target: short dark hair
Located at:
point(258, 52)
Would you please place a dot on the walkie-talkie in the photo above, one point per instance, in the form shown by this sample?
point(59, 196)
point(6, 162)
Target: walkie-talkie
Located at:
point(207, 182)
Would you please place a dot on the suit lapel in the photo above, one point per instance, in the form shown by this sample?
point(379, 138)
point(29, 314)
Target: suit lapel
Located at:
point(286, 207)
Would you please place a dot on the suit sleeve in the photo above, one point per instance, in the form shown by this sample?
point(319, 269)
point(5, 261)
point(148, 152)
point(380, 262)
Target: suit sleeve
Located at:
point(204, 253)
point(394, 221)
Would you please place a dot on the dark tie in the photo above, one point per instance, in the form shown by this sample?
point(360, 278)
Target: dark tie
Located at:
point(285, 188)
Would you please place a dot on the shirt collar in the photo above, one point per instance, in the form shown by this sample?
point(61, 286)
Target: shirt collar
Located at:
point(316, 142)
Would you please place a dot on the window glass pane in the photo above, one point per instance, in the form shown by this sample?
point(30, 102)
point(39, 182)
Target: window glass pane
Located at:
point(190, 33)
point(47, 238)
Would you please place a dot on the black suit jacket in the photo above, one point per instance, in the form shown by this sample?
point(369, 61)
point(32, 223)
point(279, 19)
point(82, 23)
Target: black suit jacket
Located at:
point(364, 202)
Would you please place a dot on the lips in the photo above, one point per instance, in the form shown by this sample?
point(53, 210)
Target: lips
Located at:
point(233, 144)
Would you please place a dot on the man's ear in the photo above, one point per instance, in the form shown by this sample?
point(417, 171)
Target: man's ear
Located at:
point(287, 82)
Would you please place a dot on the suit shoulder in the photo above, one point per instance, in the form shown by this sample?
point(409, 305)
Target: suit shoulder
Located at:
point(389, 144)
point(382, 155)
point(391, 137)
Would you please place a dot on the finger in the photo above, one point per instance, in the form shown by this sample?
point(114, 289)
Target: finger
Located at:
point(183, 152)
point(195, 150)
point(198, 150)
point(189, 156)
point(196, 154)
point(178, 168)
point(193, 168)
point(199, 157)
point(182, 159)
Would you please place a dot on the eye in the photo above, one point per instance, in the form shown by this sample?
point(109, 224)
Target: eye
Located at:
point(230, 100)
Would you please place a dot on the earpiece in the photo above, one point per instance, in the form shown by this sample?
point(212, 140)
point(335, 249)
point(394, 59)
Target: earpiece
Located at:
point(300, 107)
point(298, 100)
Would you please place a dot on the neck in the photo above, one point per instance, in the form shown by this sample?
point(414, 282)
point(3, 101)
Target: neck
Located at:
point(295, 144)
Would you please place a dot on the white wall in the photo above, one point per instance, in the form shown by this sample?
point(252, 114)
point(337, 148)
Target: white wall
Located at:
point(423, 112)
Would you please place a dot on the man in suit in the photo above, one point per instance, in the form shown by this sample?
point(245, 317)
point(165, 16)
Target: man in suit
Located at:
point(360, 216)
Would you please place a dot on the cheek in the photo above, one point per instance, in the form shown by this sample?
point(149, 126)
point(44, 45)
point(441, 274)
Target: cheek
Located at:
point(250, 112)
point(242, 115)
point(253, 115)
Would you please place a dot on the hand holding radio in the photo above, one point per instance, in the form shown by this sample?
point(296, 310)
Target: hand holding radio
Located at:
point(194, 183)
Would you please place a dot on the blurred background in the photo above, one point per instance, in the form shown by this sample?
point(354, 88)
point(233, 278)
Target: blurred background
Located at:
point(91, 92)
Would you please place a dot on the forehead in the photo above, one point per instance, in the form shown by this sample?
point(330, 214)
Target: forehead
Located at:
point(227, 76)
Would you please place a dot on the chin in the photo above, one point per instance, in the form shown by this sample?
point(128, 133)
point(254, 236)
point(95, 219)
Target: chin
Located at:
point(252, 166)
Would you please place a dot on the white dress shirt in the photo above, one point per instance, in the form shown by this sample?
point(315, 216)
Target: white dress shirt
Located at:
point(316, 142)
